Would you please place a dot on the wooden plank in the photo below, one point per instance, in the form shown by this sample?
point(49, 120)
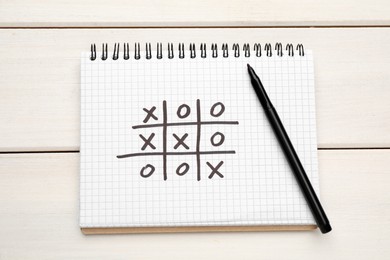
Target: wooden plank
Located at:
point(39, 216)
point(40, 80)
point(141, 13)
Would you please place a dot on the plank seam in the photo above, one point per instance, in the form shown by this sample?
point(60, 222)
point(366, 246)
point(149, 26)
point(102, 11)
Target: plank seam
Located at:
point(187, 27)
point(318, 149)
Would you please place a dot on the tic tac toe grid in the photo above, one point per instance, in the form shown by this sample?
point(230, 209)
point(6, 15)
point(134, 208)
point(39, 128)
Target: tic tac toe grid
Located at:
point(257, 187)
point(216, 140)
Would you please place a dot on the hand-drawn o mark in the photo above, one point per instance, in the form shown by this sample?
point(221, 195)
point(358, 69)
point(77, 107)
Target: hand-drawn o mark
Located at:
point(151, 171)
point(180, 109)
point(221, 110)
point(148, 142)
point(149, 114)
point(221, 139)
point(180, 141)
point(214, 170)
point(182, 172)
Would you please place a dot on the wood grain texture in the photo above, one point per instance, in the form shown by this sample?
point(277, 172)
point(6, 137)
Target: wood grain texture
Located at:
point(39, 216)
point(144, 13)
point(40, 80)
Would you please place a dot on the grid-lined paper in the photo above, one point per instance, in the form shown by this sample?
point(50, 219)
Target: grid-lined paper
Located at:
point(251, 183)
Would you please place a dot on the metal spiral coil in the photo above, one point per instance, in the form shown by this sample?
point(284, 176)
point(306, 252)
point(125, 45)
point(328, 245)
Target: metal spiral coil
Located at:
point(170, 51)
point(279, 49)
point(115, 54)
point(257, 49)
point(214, 49)
point(301, 50)
point(268, 49)
point(290, 49)
point(181, 51)
point(192, 51)
point(225, 50)
point(159, 53)
point(148, 52)
point(203, 48)
point(236, 50)
point(104, 51)
point(137, 51)
point(126, 51)
point(246, 50)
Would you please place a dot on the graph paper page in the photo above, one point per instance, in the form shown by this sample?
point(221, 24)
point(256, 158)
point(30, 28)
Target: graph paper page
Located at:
point(185, 142)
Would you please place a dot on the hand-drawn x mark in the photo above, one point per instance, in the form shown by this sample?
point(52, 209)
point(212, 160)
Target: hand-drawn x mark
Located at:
point(148, 142)
point(214, 170)
point(149, 114)
point(180, 141)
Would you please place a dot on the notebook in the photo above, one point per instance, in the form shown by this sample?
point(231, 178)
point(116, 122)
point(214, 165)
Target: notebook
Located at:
point(174, 139)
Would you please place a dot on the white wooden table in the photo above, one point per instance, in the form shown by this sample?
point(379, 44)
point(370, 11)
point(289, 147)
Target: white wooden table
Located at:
point(40, 45)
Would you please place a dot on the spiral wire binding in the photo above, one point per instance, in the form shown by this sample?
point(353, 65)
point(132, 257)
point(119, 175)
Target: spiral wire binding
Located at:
point(279, 49)
point(236, 50)
point(225, 50)
point(181, 51)
point(268, 50)
point(104, 51)
point(246, 50)
point(290, 49)
point(300, 50)
point(137, 51)
point(203, 53)
point(192, 51)
point(170, 51)
point(257, 50)
point(159, 53)
point(115, 54)
point(126, 51)
point(214, 50)
point(93, 52)
point(148, 51)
